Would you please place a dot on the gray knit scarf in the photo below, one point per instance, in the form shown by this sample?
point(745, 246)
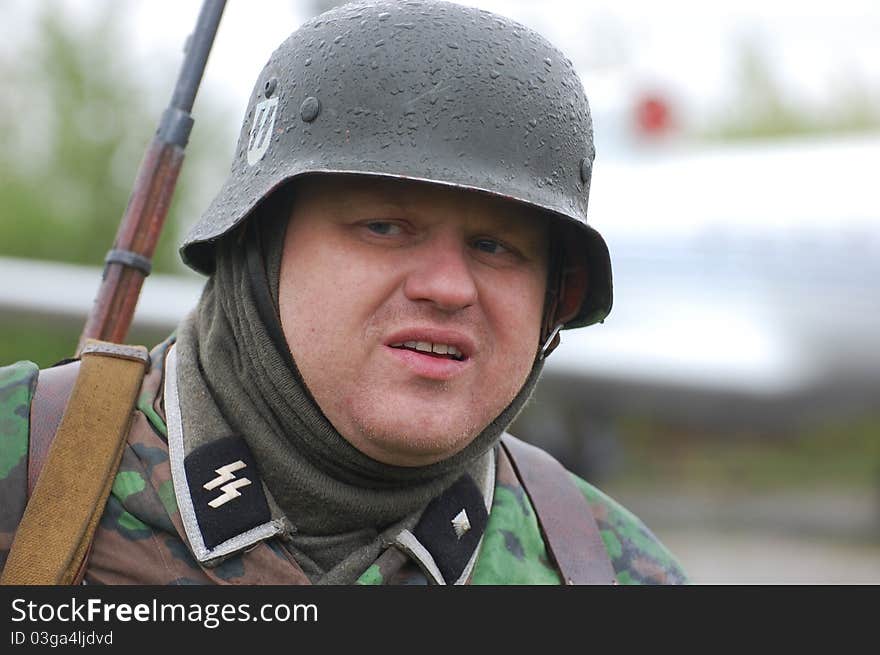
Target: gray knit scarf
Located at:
point(237, 376)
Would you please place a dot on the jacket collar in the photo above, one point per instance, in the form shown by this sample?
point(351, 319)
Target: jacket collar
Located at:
point(225, 508)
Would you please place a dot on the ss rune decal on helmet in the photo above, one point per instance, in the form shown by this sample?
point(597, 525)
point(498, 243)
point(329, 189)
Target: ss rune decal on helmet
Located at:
point(261, 130)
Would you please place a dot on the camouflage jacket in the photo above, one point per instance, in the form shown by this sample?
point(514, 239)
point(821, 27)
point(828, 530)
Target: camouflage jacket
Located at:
point(145, 538)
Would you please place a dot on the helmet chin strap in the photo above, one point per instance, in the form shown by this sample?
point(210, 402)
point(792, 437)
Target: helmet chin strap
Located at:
point(566, 294)
point(551, 342)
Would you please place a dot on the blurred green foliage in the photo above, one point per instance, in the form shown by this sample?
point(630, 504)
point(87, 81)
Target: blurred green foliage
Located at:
point(49, 342)
point(844, 453)
point(760, 108)
point(75, 123)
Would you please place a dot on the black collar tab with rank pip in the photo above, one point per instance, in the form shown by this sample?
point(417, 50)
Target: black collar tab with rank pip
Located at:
point(226, 490)
point(452, 526)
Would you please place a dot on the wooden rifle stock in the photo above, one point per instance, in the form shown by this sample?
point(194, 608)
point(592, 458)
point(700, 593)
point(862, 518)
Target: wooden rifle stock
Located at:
point(128, 262)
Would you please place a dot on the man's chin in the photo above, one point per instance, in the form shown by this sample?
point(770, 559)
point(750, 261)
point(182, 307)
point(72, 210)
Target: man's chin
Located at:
point(414, 447)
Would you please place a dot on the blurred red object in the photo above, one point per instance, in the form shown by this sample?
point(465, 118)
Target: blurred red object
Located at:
point(653, 116)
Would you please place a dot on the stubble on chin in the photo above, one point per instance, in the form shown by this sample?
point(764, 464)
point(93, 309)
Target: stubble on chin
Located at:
point(399, 438)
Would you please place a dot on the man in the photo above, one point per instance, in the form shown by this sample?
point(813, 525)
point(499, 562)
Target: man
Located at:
point(401, 238)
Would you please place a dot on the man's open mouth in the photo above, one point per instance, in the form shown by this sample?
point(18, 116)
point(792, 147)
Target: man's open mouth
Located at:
point(441, 350)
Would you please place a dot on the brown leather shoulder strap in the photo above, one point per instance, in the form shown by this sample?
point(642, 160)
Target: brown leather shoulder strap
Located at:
point(564, 515)
point(55, 534)
point(54, 386)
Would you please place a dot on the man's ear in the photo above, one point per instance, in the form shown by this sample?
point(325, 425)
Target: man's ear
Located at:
point(573, 285)
point(566, 292)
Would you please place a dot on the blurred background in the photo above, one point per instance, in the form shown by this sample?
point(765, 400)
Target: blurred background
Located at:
point(732, 398)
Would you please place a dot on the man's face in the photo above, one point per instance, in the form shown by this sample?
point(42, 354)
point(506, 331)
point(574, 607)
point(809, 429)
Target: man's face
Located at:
point(374, 273)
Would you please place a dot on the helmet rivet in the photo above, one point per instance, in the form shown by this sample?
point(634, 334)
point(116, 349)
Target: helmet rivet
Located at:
point(269, 89)
point(310, 109)
point(586, 168)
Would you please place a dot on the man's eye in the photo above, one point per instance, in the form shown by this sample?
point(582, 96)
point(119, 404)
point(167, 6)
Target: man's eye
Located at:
point(383, 228)
point(490, 246)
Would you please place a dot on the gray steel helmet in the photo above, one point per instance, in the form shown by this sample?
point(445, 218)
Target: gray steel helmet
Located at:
point(429, 91)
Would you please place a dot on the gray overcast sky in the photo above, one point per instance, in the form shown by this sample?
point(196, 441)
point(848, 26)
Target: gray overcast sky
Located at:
point(686, 48)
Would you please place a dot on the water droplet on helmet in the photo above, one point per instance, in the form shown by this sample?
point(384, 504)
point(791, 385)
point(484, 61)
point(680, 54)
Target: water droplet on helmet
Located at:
point(494, 74)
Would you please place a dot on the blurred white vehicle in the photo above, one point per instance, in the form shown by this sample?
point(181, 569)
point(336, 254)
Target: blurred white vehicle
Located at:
point(747, 287)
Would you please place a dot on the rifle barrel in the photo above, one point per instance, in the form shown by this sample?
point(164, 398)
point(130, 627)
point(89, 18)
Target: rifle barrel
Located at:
point(128, 262)
point(197, 50)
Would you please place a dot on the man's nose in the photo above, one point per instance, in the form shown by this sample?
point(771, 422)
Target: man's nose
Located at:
point(442, 274)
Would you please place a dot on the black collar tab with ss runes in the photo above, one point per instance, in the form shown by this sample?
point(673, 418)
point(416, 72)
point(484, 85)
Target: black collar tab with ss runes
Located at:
point(226, 489)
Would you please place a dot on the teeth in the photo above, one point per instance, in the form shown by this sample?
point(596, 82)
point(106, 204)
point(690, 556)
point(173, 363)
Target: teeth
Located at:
point(427, 347)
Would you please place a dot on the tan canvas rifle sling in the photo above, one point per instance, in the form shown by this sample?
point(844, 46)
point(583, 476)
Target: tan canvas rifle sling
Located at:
point(67, 500)
point(86, 407)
